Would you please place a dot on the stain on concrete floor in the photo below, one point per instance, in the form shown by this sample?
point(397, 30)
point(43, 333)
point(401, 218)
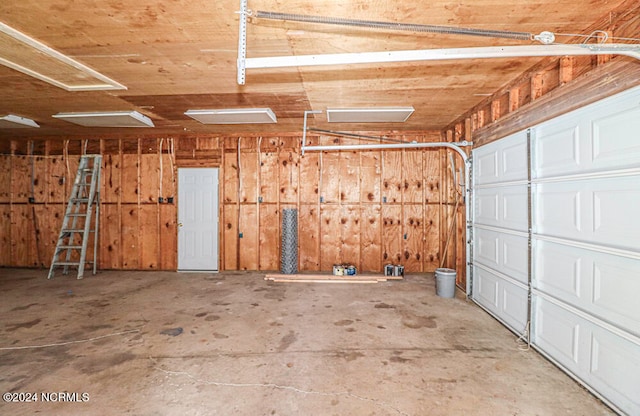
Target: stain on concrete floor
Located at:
point(251, 347)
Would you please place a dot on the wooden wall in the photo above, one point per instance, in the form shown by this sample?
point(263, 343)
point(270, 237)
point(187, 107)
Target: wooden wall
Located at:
point(367, 208)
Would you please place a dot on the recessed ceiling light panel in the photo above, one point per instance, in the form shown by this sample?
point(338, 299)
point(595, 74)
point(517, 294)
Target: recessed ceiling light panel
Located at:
point(233, 116)
point(29, 56)
point(369, 115)
point(16, 122)
point(107, 119)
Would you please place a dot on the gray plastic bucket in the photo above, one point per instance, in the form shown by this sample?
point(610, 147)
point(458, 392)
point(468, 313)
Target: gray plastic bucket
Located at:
point(445, 283)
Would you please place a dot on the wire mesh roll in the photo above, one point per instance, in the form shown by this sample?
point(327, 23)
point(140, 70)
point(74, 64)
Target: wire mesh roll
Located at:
point(289, 248)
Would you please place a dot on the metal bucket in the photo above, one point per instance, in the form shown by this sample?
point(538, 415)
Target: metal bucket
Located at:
point(446, 283)
point(388, 270)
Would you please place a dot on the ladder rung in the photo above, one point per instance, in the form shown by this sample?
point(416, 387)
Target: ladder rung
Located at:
point(68, 247)
point(79, 230)
point(66, 263)
point(80, 199)
point(77, 214)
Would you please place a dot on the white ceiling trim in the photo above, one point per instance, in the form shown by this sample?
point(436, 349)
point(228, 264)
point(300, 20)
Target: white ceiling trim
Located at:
point(105, 83)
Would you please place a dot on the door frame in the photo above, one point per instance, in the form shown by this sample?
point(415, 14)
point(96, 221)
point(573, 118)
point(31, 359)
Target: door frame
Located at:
point(217, 213)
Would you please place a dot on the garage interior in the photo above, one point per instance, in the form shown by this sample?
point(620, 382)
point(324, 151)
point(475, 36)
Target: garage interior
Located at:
point(509, 155)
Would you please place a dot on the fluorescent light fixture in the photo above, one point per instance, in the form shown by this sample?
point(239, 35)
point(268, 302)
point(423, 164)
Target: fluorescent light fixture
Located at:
point(107, 119)
point(29, 56)
point(233, 116)
point(16, 122)
point(369, 115)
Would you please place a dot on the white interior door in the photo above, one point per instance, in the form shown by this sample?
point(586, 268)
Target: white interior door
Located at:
point(198, 219)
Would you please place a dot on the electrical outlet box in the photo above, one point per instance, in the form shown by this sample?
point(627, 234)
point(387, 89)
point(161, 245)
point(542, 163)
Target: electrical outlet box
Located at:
point(240, 235)
point(321, 199)
point(160, 199)
point(260, 199)
point(170, 200)
point(32, 200)
point(384, 199)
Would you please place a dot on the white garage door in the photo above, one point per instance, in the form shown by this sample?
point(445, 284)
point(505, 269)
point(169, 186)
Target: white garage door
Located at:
point(584, 219)
point(501, 230)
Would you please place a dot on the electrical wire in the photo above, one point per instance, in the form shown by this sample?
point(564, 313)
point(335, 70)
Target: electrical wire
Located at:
point(172, 153)
point(354, 135)
point(599, 35)
point(161, 169)
point(392, 25)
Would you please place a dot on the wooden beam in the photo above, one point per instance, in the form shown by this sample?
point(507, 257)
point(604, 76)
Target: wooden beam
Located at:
point(604, 81)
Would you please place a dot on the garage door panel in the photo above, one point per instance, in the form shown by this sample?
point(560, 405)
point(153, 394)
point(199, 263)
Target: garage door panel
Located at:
point(503, 298)
point(557, 332)
point(514, 165)
point(505, 253)
point(514, 214)
point(558, 210)
point(486, 206)
point(558, 271)
point(504, 207)
point(506, 162)
point(557, 149)
point(614, 290)
point(615, 368)
point(603, 136)
point(599, 211)
point(615, 211)
point(486, 289)
point(606, 285)
point(515, 256)
point(486, 167)
point(514, 305)
point(613, 145)
point(487, 247)
point(605, 361)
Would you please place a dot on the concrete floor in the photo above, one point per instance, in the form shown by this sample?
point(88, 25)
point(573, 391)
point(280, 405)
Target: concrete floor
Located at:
point(251, 347)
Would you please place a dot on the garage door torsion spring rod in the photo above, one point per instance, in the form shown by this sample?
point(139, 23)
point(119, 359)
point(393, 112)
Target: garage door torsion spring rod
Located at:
point(392, 25)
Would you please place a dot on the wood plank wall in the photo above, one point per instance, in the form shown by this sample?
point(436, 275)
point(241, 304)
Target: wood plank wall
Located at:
point(367, 208)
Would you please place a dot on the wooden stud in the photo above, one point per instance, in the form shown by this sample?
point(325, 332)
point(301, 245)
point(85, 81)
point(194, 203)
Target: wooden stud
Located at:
point(392, 177)
point(371, 238)
point(269, 241)
point(413, 237)
point(566, 69)
point(331, 241)
point(168, 237)
point(309, 243)
point(370, 170)
point(392, 243)
point(5, 178)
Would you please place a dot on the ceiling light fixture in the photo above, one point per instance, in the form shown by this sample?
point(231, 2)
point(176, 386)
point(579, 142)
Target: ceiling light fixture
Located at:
point(107, 119)
point(29, 56)
point(11, 121)
point(369, 115)
point(233, 116)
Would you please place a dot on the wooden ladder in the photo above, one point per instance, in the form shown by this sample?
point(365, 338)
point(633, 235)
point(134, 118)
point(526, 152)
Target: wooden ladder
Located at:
point(74, 237)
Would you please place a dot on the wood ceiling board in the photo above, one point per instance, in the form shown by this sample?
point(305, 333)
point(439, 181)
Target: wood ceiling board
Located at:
point(186, 48)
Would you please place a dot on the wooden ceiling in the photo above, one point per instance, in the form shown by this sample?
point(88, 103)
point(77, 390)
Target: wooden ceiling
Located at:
point(175, 55)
